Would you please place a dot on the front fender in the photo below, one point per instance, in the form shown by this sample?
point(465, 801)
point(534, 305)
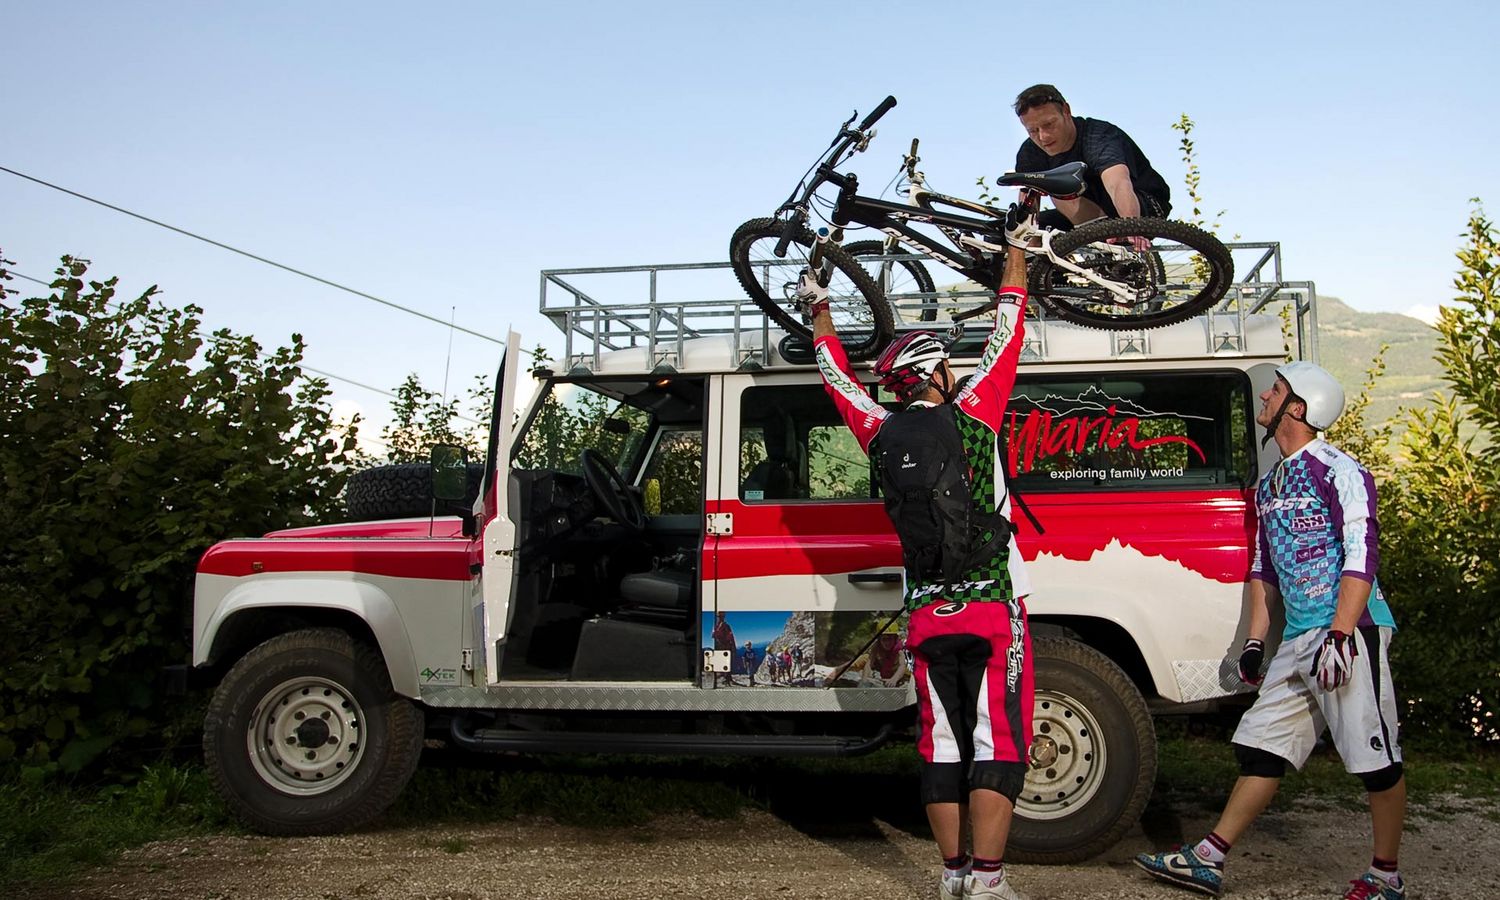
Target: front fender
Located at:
point(1184, 632)
point(220, 598)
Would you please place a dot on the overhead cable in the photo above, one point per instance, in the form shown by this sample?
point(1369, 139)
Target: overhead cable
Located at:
point(246, 253)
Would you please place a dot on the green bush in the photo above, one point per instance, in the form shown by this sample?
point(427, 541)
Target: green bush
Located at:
point(129, 443)
point(1439, 516)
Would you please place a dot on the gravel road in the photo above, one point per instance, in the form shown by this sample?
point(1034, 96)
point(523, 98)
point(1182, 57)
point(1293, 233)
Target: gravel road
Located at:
point(1302, 851)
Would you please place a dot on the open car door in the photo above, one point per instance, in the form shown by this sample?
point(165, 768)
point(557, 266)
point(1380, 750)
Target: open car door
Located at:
point(497, 581)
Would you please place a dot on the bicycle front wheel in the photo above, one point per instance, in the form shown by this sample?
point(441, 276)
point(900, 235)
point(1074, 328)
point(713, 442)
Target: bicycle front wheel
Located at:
point(1185, 271)
point(860, 311)
point(898, 279)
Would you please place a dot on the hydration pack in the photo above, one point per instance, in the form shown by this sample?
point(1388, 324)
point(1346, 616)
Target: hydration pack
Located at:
point(928, 490)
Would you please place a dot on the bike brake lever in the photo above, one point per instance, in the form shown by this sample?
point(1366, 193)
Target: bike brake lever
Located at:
point(955, 334)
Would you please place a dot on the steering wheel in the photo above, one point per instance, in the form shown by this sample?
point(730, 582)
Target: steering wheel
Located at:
point(611, 490)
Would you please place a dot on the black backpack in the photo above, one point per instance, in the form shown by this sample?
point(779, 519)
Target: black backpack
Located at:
point(924, 477)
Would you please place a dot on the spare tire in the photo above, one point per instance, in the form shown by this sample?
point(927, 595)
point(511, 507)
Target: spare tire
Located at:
point(404, 491)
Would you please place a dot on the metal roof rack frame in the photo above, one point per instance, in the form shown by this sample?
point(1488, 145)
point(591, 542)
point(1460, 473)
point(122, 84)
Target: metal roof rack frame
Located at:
point(604, 309)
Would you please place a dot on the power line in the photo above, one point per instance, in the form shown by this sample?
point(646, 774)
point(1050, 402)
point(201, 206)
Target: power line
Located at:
point(45, 284)
point(246, 253)
point(330, 375)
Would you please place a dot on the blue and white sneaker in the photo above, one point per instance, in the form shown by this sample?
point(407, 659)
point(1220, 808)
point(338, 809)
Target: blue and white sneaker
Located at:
point(1184, 868)
point(1372, 887)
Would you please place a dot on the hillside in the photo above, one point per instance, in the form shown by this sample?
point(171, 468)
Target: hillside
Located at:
point(1349, 340)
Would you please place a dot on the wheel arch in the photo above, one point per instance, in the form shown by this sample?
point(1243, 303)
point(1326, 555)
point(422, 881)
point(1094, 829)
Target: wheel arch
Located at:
point(254, 612)
point(1106, 635)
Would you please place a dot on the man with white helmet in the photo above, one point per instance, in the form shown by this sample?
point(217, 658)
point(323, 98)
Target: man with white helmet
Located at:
point(965, 580)
point(1316, 556)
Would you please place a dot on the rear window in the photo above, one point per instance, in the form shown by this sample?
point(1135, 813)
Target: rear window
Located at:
point(1146, 430)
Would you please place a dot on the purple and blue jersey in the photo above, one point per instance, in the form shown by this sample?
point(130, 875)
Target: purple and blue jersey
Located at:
point(1317, 524)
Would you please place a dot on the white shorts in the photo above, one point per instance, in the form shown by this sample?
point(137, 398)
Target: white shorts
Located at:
point(1291, 711)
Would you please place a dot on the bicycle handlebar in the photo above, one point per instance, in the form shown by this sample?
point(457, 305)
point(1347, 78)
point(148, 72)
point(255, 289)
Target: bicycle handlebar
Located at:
point(877, 112)
point(823, 169)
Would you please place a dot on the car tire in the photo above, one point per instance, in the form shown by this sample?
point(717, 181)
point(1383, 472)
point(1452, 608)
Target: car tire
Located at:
point(404, 491)
point(1094, 734)
point(306, 736)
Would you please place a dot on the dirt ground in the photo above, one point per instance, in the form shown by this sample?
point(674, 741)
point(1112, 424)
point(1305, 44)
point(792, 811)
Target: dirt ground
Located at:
point(1302, 852)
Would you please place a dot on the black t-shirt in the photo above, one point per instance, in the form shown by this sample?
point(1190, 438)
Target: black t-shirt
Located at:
point(1101, 145)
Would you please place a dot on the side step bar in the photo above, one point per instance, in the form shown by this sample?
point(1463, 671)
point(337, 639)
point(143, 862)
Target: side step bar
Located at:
point(501, 740)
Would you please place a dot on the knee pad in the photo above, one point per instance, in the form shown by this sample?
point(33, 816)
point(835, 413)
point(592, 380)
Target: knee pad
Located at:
point(1381, 779)
point(943, 783)
point(1259, 763)
point(1004, 778)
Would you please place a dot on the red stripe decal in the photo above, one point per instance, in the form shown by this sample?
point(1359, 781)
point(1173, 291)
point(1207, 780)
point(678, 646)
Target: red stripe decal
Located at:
point(432, 559)
point(1209, 532)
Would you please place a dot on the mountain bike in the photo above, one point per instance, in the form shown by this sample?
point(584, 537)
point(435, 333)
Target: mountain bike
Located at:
point(1093, 275)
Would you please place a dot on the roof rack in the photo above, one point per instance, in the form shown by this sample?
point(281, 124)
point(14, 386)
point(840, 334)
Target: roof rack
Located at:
point(658, 309)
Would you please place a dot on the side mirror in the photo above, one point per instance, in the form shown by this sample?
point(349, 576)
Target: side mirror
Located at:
point(450, 472)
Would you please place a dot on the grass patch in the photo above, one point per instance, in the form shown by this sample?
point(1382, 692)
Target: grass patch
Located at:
point(49, 833)
point(1201, 770)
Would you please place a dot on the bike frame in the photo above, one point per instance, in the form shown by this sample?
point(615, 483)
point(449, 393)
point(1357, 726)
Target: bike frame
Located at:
point(893, 219)
point(966, 254)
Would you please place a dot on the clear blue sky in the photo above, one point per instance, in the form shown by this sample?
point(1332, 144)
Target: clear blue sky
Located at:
point(440, 155)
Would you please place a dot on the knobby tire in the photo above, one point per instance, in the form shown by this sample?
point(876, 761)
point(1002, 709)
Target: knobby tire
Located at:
point(862, 315)
point(1047, 285)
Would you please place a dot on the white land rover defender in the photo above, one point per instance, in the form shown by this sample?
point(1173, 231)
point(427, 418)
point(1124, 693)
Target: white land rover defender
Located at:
point(679, 548)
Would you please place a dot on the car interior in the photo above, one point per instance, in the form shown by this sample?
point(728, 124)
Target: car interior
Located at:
point(608, 481)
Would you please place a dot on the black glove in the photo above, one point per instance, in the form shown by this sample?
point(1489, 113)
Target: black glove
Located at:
point(1252, 656)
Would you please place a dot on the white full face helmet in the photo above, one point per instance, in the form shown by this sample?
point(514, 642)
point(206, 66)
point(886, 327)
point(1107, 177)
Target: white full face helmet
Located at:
point(1314, 386)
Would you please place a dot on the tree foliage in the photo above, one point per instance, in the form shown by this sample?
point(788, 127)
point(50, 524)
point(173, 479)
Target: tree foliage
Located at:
point(1469, 331)
point(1440, 516)
point(1193, 177)
point(421, 418)
point(129, 443)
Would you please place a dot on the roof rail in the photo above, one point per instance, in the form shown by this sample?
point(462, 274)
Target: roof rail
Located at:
point(661, 307)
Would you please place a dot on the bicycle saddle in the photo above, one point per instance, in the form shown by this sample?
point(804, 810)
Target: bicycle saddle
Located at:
point(1065, 181)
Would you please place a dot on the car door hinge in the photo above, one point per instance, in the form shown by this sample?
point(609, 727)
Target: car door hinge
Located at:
point(721, 523)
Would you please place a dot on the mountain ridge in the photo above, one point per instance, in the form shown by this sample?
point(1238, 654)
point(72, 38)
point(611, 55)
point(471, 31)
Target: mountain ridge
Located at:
point(1348, 341)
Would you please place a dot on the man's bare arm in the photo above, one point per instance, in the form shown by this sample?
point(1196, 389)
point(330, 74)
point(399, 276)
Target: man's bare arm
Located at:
point(822, 323)
point(1263, 598)
point(1015, 268)
point(1121, 190)
point(1354, 597)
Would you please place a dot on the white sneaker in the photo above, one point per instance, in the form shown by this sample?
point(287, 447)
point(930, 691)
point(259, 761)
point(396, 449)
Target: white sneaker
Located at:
point(951, 888)
point(980, 887)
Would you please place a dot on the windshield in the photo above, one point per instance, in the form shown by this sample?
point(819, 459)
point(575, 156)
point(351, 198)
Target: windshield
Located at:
point(577, 417)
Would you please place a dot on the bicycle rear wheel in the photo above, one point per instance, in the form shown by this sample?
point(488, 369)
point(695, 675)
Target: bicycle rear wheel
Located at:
point(897, 280)
point(1186, 271)
point(860, 311)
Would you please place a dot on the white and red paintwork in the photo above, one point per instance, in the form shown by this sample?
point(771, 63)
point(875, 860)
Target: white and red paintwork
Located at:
point(1168, 567)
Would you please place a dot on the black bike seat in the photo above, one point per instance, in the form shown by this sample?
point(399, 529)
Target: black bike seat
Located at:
point(1065, 181)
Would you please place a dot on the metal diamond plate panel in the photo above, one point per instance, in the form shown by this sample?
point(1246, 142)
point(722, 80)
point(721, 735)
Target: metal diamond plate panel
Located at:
point(669, 698)
point(1203, 679)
